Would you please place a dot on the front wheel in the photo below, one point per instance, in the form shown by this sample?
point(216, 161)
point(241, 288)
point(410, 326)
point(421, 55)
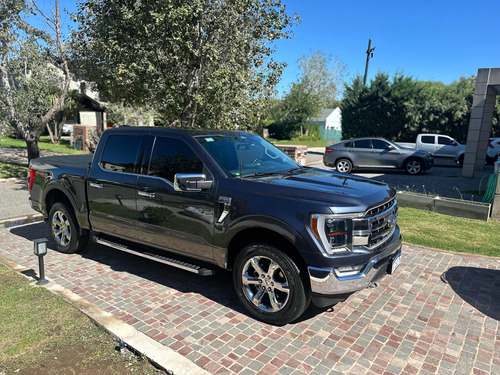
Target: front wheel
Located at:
point(64, 229)
point(268, 284)
point(413, 166)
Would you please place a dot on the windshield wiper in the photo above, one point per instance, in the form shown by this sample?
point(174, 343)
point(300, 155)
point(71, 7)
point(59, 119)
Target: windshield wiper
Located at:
point(261, 174)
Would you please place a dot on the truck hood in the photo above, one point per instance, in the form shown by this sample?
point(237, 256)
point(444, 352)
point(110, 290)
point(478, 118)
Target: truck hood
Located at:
point(341, 192)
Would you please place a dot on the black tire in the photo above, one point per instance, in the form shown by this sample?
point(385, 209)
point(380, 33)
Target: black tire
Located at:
point(273, 290)
point(461, 161)
point(64, 229)
point(343, 165)
point(413, 166)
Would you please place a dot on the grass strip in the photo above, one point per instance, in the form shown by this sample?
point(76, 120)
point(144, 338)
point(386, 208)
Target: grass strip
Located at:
point(10, 170)
point(41, 333)
point(452, 233)
point(43, 144)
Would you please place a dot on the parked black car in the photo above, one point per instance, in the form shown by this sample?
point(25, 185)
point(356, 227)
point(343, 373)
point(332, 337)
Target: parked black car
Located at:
point(201, 200)
point(370, 152)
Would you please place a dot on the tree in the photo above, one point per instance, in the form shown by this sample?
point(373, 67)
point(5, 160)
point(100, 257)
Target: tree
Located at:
point(197, 62)
point(318, 87)
point(401, 108)
point(33, 69)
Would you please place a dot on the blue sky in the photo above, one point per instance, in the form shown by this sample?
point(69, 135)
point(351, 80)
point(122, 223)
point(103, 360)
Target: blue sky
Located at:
point(428, 40)
point(440, 40)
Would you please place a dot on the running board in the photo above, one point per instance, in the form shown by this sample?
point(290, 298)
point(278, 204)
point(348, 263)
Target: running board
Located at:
point(157, 258)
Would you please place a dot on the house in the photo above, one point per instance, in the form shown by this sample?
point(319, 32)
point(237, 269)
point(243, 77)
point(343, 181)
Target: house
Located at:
point(330, 124)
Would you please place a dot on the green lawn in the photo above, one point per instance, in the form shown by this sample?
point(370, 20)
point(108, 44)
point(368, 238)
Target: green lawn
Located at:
point(302, 142)
point(9, 170)
point(44, 144)
point(40, 329)
point(452, 233)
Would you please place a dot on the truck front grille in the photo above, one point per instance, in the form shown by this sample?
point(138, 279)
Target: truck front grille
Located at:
point(375, 227)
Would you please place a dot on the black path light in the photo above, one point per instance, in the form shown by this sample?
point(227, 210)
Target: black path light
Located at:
point(40, 249)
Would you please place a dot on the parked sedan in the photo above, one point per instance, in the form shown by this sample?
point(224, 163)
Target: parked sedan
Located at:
point(375, 153)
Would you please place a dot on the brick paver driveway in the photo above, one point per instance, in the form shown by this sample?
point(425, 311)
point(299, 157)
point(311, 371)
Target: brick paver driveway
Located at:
point(439, 314)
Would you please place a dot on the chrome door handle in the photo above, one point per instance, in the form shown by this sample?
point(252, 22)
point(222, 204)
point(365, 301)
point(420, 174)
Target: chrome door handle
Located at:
point(95, 185)
point(146, 194)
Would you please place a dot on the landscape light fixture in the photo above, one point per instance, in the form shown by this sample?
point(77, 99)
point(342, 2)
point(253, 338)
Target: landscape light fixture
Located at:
point(40, 249)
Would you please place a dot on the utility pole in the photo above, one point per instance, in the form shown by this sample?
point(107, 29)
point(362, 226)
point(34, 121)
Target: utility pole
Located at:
point(369, 55)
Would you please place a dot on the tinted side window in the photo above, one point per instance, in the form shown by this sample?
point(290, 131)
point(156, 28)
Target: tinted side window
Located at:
point(171, 156)
point(444, 141)
point(377, 143)
point(427, 139)
point(120, 153)
point(348, 144)
point(363, 143)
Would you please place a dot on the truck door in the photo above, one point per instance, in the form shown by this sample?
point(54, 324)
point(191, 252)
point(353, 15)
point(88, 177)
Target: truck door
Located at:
point(427, 143)
point(111, 186)
point(181, 222)
point(448, 148)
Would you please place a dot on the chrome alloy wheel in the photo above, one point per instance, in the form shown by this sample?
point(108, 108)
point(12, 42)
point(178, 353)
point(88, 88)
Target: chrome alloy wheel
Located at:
point(265, 284)
point(413, 167)
point(343, 166)
point(61, 229)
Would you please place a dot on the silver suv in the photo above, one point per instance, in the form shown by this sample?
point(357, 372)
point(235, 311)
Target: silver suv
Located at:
point(375, 153)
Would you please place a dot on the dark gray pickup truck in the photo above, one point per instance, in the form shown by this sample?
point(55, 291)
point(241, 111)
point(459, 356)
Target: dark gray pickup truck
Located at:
point(202, 200)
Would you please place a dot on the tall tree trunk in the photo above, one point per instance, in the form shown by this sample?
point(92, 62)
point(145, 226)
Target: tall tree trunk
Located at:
point(188, 116)
point(33, 150)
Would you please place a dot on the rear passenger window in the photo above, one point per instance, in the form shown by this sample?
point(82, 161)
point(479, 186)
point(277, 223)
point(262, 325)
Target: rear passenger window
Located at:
point(427, 139)
point(348, 144)
point(171, 156)
point(120, 153)
point(363, 143)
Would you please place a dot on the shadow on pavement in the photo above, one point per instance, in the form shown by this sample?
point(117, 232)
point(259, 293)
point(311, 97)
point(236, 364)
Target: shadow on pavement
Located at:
point(479, 287)
point(218, 288)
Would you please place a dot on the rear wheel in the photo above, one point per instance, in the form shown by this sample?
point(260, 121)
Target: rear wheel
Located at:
point(413, 166)
point(343, 165)
point(65, 231)
point(268, 284)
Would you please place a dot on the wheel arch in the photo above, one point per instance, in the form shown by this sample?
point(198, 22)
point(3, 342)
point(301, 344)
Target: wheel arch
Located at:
point(270, 237)
point(413, 157)
point(55, 195)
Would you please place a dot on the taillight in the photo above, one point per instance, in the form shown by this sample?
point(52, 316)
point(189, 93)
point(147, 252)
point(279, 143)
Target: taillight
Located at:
point(328, 150)
point(31, 178)
point(489, 145)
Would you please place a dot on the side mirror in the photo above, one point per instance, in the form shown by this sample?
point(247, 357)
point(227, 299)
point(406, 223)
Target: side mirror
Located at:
point(391, 147)
point(191, 182)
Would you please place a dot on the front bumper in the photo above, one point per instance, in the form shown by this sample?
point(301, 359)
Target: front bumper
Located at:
point(325, 281)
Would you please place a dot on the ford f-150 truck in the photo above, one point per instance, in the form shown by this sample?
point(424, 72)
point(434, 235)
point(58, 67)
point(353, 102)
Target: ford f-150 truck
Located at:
point(201, 200)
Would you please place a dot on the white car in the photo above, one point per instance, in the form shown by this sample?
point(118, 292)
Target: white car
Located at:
point(67, 129)
point(493, 150)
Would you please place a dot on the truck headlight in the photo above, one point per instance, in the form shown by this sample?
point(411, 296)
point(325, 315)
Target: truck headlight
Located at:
point(335, 234)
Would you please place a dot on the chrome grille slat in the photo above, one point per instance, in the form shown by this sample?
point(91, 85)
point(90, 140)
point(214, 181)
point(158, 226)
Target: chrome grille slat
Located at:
point(376, 226)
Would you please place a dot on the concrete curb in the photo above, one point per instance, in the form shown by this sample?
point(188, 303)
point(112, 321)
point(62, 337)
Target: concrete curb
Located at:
point(15, 221)
point(160, 355)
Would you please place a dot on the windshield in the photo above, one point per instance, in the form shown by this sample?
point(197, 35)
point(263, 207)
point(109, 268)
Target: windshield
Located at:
point(246, 155)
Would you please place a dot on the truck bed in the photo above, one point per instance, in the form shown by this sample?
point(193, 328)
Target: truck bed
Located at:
point(71, 161)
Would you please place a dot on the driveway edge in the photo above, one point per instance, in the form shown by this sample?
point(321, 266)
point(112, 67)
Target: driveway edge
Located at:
point(162, 356)
point(15, 221)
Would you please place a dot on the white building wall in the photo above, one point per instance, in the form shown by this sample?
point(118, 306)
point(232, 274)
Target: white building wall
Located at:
point(334, 120)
